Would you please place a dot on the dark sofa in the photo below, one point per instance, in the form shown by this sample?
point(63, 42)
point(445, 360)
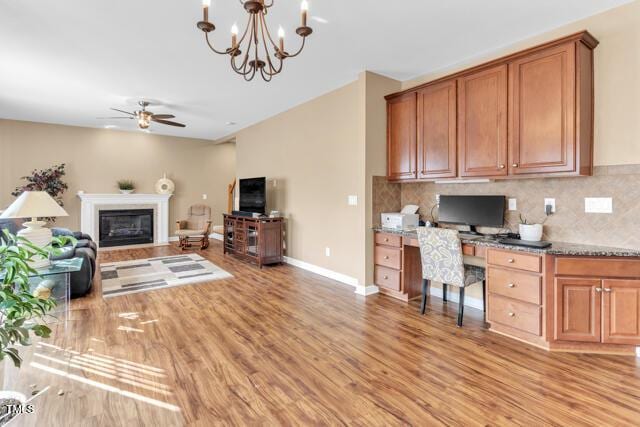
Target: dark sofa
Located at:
point(85, 248)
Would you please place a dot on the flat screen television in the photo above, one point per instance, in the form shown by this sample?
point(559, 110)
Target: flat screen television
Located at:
point(253, 195)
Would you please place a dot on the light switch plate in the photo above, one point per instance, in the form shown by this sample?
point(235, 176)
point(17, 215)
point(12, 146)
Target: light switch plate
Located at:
point(598, 205)
point(352, 200)
point(551, 202)
point(204, 197)
point(327, 251)
point(513, 204)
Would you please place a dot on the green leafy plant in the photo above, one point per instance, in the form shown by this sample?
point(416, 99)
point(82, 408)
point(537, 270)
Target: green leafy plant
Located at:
point(126, 185)
point(21, 313)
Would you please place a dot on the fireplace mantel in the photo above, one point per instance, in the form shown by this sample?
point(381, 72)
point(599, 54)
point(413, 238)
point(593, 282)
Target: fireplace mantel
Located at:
point(92, 203)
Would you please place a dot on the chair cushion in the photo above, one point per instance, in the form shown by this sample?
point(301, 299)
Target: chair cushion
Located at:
point(189, 233)
point(441, 255)
point(473, 274)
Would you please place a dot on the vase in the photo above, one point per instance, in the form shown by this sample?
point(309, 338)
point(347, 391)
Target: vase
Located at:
point(531, 232)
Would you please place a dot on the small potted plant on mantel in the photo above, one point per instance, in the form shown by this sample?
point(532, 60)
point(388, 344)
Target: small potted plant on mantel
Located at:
point(126, 186)
point(530, 232)
point(21, 311)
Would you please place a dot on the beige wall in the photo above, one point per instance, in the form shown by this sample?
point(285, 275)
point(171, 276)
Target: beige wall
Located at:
point(97, 158)
point(315, 155)
point(617, 82)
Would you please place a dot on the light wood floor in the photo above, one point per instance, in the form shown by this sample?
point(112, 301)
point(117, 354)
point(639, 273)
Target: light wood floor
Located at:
point(283, 346)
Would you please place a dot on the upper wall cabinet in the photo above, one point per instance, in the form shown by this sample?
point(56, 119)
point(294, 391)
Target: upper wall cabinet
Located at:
point(526, 115)
point(437, 131)
point(482, 118)
point(401, 137)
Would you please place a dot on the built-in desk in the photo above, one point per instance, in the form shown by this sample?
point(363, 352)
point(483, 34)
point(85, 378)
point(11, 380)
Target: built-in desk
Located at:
point(566, 297)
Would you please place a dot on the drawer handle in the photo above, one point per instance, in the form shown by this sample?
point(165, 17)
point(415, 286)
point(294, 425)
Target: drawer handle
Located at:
point(386, 277)
point(386, 257)
point(511, 260)
point(511, 285)
point(607, 289)
point(598, 289)
point(501, 166)
point(386, 239)
point(512, 314)
point(515, 165)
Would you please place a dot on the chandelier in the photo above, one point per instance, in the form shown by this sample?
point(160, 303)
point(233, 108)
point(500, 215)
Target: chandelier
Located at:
point(252, 52)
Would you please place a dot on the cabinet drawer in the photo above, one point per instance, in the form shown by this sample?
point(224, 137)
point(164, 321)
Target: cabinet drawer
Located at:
point(521, 286)
point(388, 257)
point(387, 277)
point(598, 267)
point(513, 313)
point(389, 239)
point(515, 260)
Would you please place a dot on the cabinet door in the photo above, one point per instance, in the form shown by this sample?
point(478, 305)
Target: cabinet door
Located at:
point(401, 137)
point(542, 107)
point(437, 131)
point(621, 312)
point(577, 310)
point(482, 123)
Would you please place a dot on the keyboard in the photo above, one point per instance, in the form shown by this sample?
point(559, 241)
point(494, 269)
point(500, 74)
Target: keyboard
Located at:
point(525, 243)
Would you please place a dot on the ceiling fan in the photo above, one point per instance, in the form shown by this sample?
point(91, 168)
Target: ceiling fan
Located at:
point(145, 117)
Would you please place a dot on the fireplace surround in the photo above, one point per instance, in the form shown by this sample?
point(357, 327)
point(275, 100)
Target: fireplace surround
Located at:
point(123, 227)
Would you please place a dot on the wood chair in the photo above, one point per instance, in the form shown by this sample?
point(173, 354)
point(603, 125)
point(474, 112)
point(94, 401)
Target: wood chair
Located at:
point(443, 261)
point(196, 228)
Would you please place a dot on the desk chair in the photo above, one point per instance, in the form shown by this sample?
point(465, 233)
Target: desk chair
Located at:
point(442, 261)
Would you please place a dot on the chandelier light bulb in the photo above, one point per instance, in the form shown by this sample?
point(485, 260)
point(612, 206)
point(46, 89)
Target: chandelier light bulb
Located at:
point(281, 32)
point(304, 6)
point(206, 3)
point(234, 29)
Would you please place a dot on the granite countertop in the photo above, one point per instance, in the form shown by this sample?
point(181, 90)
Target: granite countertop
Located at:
point(556, 248)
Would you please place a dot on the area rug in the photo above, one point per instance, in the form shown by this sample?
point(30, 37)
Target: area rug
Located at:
point(141, 275)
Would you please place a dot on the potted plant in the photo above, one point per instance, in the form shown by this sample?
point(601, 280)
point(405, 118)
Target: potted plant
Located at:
point(529, 232)
point(49, 180)
point(126, 186)
point(21, 312)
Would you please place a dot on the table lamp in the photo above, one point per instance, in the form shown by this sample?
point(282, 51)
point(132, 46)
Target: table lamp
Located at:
point(34, 204)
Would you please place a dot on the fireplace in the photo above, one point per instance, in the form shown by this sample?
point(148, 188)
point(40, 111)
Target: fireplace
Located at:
point(125, 227)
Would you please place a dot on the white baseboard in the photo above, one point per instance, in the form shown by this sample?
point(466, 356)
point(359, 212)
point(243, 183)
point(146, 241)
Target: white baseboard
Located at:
point(454, 296)
point(367, 290)
point(334, 275)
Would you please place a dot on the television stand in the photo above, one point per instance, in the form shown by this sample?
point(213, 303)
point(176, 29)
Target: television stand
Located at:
point(257, 240)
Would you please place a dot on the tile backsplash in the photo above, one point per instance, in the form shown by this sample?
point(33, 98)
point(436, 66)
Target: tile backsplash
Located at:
point(570, 223)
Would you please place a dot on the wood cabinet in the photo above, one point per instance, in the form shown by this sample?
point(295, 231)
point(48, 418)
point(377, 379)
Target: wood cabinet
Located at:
point(525, 115)
point(542, 103)
point(621, 311)
point(577, 310)
point(401, 137)
point(258, 240)
point(436, 139)
point(482, 123)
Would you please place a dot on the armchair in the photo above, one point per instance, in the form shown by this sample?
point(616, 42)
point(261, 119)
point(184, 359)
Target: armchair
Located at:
point(196, 228)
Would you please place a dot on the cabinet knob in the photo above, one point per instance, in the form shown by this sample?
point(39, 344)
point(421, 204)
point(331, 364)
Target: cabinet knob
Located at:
point(386, 257)
point(607, 289)
point(598, 289)
point(501, 166)
point(511, 314)
point(511, 260)
point(386, 239)
point(386, 277)
point(511, 285)
point(515, 165)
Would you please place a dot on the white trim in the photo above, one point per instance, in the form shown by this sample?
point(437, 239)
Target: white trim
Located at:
point(455, 297)
point(90, 203)
point(334, 275)
point(637, 351)
point(367, 290)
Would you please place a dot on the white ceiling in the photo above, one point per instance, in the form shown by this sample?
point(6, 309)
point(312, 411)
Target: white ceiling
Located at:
point(68, 61)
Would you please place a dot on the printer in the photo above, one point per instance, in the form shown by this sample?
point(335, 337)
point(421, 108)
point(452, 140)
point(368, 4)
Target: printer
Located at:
point(407, 219)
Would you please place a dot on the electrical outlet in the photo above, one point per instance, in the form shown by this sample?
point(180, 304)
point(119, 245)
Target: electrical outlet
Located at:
point(327, 251)
point(352, 200)
point(204, 197)
point(275, 183)
point(550, 202)
point(598, 205)
point(513, 204)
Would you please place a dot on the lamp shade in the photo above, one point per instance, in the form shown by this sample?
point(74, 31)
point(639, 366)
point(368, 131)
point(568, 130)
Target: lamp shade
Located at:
point(33, 204)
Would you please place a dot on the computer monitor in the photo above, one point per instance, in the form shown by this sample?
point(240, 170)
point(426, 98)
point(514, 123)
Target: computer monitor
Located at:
point(472, 211)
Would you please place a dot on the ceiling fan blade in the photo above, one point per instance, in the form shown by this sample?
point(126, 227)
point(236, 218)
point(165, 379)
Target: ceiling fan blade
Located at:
point(163, 116)
point(167, 122)
point(122, 111)
point(109, 118)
